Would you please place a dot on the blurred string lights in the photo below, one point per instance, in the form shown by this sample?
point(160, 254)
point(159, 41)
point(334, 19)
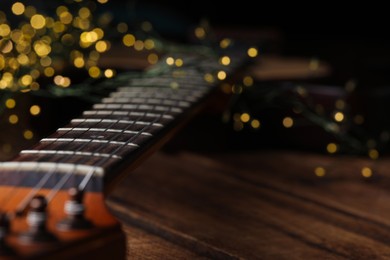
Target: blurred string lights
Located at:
point(43, 49)
point(300, 108)
point(39, 47)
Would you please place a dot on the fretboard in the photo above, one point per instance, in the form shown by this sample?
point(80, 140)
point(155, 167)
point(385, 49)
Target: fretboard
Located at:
point(142, 111)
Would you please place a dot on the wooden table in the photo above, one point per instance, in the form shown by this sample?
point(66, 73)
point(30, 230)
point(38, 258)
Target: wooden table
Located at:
point(259, 204)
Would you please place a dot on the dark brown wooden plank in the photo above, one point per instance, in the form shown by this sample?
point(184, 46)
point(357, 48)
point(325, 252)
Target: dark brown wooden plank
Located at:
point(201, 198)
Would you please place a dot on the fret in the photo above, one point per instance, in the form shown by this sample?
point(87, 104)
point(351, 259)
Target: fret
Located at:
point(152, 91)
point(99, 130)
point(92, 120)
point(139, 107)
point(104, 147)
point(80, 140)
point(29, 173)
point(127, 113)
point(64, 152)
point(114, 137)
point(82, 158)
point(101, 124)
point(154, 101)
point(171, 96)
point(49, 166)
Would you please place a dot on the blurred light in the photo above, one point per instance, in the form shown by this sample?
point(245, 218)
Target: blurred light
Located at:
point(38, 21)
point(225, 43)
point(139, 45)
point(209, 78)
point(28, 134)
point(319, 171)
point(288, 122)
point(200, 33)
point(108, 73)
point(94, 72)
point(247, 81)
point(245, 117)
point(10, 103)
point(35, 110)
point(366, 172)
point(128, 40)
point(373, 154)
point(18, 8)
point(122, 27)
point(225, 60)
point(339, 116)
point(152, 58)
point(146, 26)
point(331, 148)
point(179, 62)
point(13, 119)
point(221, 75)
point(255, 123)
point(170, 61)
point(252, 52)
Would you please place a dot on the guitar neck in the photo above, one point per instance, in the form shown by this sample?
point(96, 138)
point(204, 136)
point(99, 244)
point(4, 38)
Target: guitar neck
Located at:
point(86, 156)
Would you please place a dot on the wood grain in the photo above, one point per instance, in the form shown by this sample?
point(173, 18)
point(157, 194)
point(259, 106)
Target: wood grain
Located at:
point(259, 205)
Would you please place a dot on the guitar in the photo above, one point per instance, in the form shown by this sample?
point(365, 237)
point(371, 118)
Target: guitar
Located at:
point(52, 196)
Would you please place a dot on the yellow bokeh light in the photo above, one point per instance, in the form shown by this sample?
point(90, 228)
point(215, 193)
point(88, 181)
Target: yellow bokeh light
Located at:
point(108, 73)
point(13, 119)
point(200, 33)
point(30, 11)
point(5, 30)
point(319, 171)
point(247, 81)
point(331, 148)
point(209, 78)
point(102, 1)
point(139, 45)
point(152, 58)
point(245, 117)
point(366, 172)
point(170, 61)
point(179, 62)
point(339, 116)
point(18, 8)
point(26, 80)
point(84, 12)
point(288, 122)
point(373, 154)
point(101, 46)
point(66, 18)
point(122, 27)
point(49, 72)
point(79, 62)
point(128, 40)
point(149, 44)
point(252, 52)
point(221, 75)
point(7, 47)
point(225, 43)
point(35, 110)
point(255, 123)
point(42, 48)
point(10, 103)
point(38, 21)
point(225, 60)
point(28, 134)
point(94, 72)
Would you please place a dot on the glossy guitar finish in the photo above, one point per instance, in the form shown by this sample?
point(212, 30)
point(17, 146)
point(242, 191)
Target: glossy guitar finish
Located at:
point(87, 157)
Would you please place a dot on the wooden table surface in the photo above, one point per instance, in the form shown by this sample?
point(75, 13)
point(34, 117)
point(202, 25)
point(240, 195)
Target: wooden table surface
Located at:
point(255, 205)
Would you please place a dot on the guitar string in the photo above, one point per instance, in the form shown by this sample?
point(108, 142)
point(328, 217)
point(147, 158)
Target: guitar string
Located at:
point(67, 176)
point(24, 203)
point(63, 181)
point(87, 178)
point(15, 184)
point(47, 175)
